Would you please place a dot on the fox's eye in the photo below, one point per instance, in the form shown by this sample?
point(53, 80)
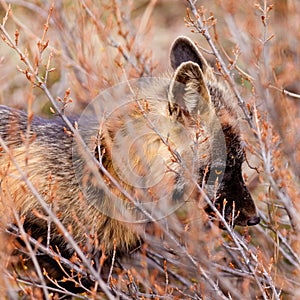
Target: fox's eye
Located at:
point(218, 172)
point(215, 174)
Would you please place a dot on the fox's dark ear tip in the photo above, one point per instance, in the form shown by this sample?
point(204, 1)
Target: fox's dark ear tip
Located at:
point(182, 39)
point(177, 50)
point(253, 221)
point(183, 50)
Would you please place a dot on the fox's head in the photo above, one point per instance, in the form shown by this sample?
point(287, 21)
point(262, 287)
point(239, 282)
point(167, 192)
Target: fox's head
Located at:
point(197, 80)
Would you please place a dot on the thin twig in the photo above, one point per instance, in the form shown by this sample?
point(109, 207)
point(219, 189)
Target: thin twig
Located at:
point(205, 32)
point(110, 40)
point(13, 230)
point(52, 289)
point(31, 253)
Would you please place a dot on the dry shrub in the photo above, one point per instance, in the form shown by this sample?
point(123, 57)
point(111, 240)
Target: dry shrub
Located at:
point(77, 49)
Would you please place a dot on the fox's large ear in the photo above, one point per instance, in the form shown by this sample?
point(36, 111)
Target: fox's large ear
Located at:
point(188, 90)
point(183, 50)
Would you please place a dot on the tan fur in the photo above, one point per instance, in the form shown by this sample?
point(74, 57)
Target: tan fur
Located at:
point(63, 196)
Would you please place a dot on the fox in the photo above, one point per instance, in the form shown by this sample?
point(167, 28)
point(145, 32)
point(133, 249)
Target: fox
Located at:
point(150, 155)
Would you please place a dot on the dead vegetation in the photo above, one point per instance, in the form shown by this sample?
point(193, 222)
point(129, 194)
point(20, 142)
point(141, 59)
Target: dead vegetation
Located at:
point(57, 57)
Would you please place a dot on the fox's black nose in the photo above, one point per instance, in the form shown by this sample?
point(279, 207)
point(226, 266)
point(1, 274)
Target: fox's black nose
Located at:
point(253, 221)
